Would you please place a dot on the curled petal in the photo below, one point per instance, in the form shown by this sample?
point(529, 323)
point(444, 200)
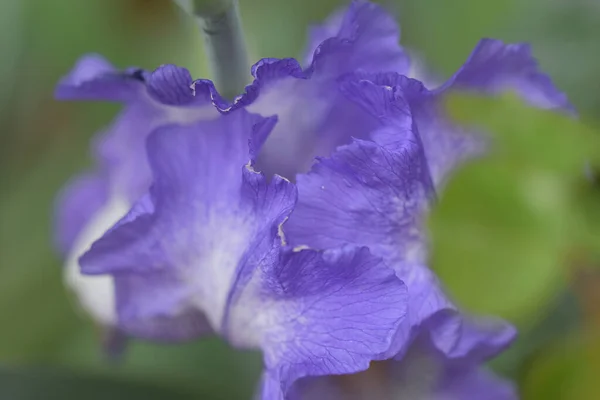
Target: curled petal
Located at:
point(365, 194)
point(332, 312)
point(367, 38)
point(206, 217)
point(171, 85)
point(313, 118)
point(207, 241)
point(457, 336)
point(494, 67)
point(94, 78)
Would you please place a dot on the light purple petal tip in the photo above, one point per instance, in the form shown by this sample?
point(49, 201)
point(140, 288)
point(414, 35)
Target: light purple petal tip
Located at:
point(367, 38)
point(94, 78)
point(494, 66)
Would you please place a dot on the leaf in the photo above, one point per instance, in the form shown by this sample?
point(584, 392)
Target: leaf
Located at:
point(61, 384)
point(548, 139)
point(507, 223)
point(565, 370)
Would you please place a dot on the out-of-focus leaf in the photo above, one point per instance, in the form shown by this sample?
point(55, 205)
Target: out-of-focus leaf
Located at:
point(561, 32)
point(446, 31)
point(292, 17)
point(58, 384)
point(493, 247)
point(590, 221)
point(11, 43)
point(541, 138)
point(565, 370)
point(562, 319)
point(507, 223)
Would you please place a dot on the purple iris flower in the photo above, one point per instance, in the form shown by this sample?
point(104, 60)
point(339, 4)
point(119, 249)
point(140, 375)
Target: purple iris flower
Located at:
point(321, 264)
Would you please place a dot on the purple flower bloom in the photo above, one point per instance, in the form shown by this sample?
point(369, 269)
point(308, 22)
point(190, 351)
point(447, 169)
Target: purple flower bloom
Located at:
point(96, 200)
point(188, 239)
point(204, 251)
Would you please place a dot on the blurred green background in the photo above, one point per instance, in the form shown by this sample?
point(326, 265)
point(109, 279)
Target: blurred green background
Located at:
point(48, 350)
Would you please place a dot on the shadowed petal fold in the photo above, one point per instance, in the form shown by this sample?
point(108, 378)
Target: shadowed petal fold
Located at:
point(423, 373)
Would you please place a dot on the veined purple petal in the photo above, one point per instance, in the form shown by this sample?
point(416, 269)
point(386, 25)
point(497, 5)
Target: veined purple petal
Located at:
point(171, 85)
point(207, 241)
point(369, 195)
point(332, 312)
point(364, 185)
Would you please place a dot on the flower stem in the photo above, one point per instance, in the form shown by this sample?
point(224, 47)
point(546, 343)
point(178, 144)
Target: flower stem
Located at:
point(225, 47)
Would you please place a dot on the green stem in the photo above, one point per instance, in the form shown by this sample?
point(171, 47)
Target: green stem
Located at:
point(225, 47)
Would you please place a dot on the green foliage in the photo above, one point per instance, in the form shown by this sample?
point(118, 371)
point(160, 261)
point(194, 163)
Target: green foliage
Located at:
point(508, 225)
point(54, 384)
point(565, 369)
point(446, 32)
